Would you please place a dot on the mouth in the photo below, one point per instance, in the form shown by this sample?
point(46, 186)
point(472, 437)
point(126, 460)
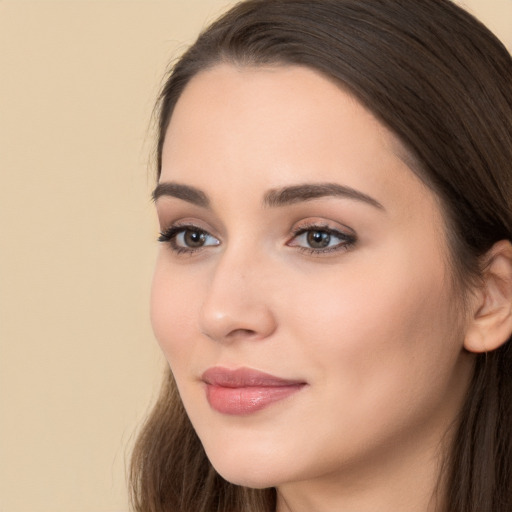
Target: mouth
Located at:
point(244, 391)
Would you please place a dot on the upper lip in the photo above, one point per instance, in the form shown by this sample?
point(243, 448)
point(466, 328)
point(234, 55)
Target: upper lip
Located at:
point(244, 377)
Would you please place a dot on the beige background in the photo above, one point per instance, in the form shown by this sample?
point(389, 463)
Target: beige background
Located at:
point(78, 365)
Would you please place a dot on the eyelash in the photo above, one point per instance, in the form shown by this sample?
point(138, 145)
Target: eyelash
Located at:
point(347, 240)
point(169, 236)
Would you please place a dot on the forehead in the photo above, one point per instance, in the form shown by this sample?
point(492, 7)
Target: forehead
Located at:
point(265, 99)
point(270, 126)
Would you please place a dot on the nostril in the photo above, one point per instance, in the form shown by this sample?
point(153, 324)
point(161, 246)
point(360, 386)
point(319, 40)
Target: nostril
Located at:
point(234, 334)
point(247, 333)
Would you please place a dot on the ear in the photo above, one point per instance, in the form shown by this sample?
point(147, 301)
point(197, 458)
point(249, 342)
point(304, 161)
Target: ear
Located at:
point(491, 322)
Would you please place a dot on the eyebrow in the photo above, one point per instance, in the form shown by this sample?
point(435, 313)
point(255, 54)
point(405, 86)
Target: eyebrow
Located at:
point(186, 192)
point(308, 191)
point(273, 198)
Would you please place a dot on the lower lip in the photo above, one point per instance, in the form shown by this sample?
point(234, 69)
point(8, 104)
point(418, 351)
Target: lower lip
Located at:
point(246, 400)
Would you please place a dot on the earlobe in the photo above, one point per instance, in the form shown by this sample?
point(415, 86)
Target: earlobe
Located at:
point(491, 323)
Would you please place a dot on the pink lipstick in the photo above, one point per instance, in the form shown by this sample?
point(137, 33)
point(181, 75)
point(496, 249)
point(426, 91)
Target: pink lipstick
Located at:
point(244, 391)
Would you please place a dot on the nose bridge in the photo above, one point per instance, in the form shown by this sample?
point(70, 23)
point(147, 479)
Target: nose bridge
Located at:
point(236, 303)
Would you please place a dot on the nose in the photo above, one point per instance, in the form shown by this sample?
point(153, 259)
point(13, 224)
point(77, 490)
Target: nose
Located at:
point(237, 305)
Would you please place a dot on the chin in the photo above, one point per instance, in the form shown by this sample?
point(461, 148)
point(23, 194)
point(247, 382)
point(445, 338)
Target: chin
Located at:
point(253, 478)
point(240, 468)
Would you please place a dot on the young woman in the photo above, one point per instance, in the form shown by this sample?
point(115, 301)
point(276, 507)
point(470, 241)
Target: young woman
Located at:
point(333, 291)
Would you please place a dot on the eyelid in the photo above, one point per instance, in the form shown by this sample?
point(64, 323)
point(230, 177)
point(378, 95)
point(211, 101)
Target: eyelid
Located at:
point(169, 235)
point(347, 236)
point(319, 223)
point(168, 222)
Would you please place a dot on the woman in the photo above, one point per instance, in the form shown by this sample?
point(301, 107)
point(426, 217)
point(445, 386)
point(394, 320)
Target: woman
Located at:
point(334, 288)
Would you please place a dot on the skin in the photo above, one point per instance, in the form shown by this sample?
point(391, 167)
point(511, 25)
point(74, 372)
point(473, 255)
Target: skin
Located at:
point(373, 327)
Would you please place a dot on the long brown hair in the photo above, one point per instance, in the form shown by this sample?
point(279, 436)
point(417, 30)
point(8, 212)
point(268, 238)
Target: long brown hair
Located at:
point(440, 81)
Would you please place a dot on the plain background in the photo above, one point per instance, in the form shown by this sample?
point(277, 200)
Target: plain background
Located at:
point(78, 364)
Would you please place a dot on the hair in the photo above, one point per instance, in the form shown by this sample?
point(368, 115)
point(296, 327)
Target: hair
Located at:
point(442, 82)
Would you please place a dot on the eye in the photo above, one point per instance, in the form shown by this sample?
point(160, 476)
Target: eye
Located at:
point(321, 239)
point(318, 239)
point(187, 238)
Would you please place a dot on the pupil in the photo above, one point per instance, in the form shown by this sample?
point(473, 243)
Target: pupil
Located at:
point(194, 238)
point(318, 239)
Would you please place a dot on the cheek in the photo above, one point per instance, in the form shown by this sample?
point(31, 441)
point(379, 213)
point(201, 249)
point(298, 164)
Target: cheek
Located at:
point(382, 326)
point(382, 354)
point(172, 316)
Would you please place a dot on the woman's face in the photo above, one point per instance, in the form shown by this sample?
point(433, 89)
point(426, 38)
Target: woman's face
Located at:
point(297, 243)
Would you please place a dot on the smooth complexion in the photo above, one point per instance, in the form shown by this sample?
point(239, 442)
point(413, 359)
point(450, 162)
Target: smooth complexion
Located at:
point(297, 242)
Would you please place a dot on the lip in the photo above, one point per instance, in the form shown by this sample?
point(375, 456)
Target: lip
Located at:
point(244, 390)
